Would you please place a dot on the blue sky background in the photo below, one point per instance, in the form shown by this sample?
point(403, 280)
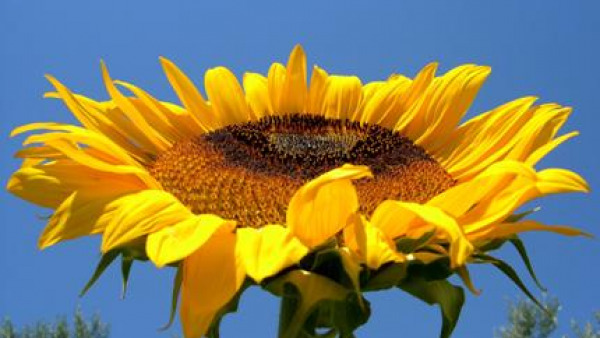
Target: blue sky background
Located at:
point(544, 48)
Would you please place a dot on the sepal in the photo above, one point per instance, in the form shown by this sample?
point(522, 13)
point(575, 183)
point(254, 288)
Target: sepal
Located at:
point(388, 276)
point(174, 297)
point(231, 307)
point(105, 261)
point(508, 270)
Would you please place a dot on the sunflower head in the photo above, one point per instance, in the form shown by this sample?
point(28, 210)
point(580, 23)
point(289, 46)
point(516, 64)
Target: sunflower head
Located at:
point(316, 191)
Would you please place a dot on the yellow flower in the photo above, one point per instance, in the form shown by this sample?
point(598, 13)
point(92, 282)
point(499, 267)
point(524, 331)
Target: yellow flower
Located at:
point(250, 181)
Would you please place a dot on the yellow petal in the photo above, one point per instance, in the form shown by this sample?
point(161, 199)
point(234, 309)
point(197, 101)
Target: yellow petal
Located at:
point(294, 91)
point(77, 216)
point(211, 277)
point(445, 103)
point(485, 136)
point(514, 131)
point(75, 134)
point(411, 92)
point(489, 211)
point(352, 266)
point(93, 118)
point(554, 181)
point(227, 97)
point(189, 96)
point(88, 159)
point(35, 186)
point(176, 242)
point(540, 130)
point(542, 151)
point(342, 98)
point(368, 91)
point(382, 107)
point(505, 230)
point(256, 87)
point(161, 117)
point(151, 139)
point(459, 199)
point(397, 218)
point(139, 214)
point(49, 184)
point(98, 153)
point(321, 207)
point(317, 90)
point(275, 82)
point(268, 250)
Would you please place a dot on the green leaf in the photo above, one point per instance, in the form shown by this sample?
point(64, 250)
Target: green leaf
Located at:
point(436, 270)
point(518, 244)
point(174, 297)
point(105, 261)
point(409, 245)
point(450, 299)
point(388, 276)
point(328, 262)
point(302, 293)
point(345, 316)
point(126, 263)
point(289, 312)
point(510, 273)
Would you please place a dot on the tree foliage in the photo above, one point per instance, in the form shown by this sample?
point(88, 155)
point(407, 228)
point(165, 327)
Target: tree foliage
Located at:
point(81, 328)
point(527, 320)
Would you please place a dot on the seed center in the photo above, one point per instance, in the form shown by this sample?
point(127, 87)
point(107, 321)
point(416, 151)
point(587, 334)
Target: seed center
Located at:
point(249, 172)
point(304, 145)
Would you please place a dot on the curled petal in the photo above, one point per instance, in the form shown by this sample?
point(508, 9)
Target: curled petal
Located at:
point(370, 243)
point(398, 218)
point(176, 242)
point(321, 207)
point(75, 217)
point(268, 250)
point(139, 214)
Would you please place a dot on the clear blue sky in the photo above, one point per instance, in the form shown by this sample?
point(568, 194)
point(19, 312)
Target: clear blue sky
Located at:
point(544, 48)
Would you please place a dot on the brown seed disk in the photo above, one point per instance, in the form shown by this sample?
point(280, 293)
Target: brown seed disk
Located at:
point(249, 172)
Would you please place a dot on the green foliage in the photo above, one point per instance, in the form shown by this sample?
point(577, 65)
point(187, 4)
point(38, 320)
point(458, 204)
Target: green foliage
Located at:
point(450, 299)
point(82, 328)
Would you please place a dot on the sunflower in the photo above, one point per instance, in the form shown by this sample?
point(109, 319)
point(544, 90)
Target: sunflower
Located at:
point(318, 190)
